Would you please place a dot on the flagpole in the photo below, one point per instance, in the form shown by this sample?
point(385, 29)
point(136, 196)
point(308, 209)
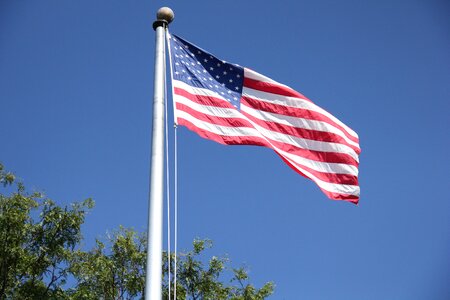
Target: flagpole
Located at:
point(153, 278)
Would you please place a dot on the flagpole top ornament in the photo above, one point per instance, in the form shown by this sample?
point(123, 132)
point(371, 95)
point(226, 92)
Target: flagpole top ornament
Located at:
point(164, 16)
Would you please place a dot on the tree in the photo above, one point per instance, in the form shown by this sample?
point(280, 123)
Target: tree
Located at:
point(40, 252)
point(197, 281)
point(112, 270)
point(37, 239)
point(119, 272)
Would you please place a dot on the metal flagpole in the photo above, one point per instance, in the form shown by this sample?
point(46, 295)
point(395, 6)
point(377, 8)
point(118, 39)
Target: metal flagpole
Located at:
point(153, 278)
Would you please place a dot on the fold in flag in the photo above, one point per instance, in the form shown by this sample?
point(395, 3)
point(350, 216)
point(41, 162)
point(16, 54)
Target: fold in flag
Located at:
point(232, 105)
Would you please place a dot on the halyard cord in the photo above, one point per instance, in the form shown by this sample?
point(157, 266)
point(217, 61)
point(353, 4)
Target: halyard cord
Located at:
point(176, 207)
point(167, 172)
point(175, 175)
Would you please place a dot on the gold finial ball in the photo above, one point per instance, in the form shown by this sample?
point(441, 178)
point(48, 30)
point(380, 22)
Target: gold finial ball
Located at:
point(165, 13)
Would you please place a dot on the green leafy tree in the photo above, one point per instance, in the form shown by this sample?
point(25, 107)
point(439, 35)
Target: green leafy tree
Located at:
point(40, 252)
point(112, 270)
point(115, 270)
point(205, 280)
point(37, 239)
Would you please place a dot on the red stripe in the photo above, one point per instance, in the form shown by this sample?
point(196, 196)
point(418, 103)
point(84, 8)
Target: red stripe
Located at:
point(272, 88)
point(295, 112)
point(236, 122)
point(309, 134)
point(203, 100)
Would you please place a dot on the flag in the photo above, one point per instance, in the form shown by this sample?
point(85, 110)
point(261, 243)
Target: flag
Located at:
point(233, 105)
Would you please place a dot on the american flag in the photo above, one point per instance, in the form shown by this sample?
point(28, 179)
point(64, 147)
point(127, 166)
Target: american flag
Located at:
point(233, 105)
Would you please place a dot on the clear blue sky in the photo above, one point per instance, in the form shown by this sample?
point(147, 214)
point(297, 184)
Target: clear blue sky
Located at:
point(76, 86)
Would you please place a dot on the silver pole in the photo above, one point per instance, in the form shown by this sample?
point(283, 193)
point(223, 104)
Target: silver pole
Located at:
point(153, 278)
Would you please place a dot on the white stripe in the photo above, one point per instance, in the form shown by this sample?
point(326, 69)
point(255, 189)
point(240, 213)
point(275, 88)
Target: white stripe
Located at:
point(286, 100)
point(249, 132)
point(280, 137)
point(296, 122)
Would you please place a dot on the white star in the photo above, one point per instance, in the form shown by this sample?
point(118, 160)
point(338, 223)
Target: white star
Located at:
point(217, 76)
point(189, 78)
point(229, 92)
point(177, 72)
point(218, 64)
point(231, 80)
point(238, 76)
point(224, 72)
point(211, 68)
point(205, 60)
point(199, 52)
point(236, 88)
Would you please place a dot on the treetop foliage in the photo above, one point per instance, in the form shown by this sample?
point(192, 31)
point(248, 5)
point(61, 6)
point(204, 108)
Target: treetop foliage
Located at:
point(41, 257)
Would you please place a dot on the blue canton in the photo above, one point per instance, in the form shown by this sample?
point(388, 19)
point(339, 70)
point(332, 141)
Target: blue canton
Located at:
point(199, 68)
